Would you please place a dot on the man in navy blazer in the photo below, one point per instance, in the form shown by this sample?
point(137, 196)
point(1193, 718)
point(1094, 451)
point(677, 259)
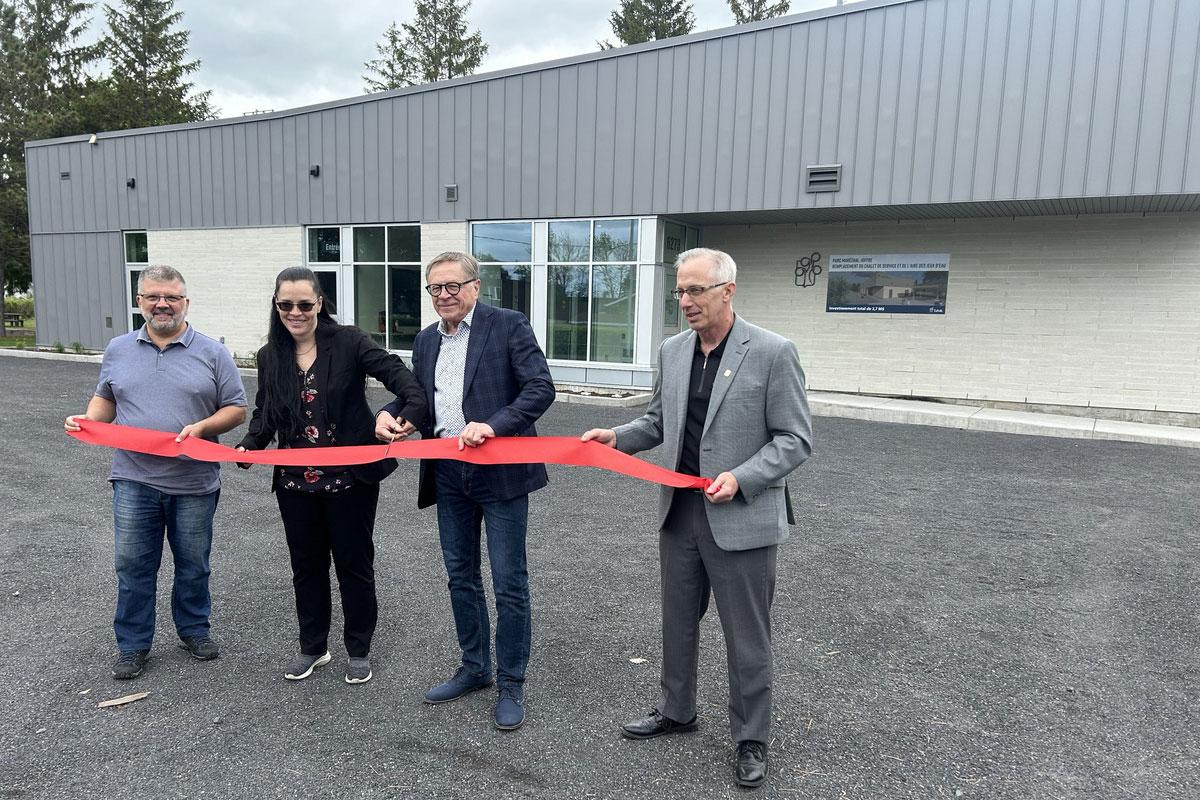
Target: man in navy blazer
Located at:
point(484, 376)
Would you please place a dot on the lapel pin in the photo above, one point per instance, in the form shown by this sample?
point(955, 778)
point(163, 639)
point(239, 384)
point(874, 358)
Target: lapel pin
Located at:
point(728, 372)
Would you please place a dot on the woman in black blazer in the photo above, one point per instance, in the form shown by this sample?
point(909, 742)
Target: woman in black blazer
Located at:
point(311, 393)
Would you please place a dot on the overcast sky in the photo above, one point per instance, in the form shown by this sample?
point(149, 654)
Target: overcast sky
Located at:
point(278, 54)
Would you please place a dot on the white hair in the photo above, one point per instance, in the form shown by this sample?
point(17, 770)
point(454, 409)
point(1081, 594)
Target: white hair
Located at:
point(724, 270)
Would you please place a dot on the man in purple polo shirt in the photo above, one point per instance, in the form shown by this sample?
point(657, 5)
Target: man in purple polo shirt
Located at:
point(164, 376)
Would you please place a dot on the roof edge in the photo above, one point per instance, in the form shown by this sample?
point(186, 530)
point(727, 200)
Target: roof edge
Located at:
point(658, 44)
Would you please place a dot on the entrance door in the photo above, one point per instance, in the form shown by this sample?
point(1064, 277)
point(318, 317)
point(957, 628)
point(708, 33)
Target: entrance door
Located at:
point(333, 277)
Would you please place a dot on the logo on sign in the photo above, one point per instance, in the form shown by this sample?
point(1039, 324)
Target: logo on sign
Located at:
point(807, 270)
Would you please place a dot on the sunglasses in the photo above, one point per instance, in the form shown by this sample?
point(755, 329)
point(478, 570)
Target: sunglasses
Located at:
point(287, 305)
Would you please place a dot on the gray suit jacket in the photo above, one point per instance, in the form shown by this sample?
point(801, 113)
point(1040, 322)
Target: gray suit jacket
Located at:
point(758, 427)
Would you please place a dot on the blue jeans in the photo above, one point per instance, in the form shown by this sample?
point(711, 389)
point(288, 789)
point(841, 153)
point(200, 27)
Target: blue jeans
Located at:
point(459, 526)
point(140, 516)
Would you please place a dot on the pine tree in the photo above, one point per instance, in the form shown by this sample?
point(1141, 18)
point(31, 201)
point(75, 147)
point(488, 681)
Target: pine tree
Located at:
point(638, 21)
point(12, 199)
point(51, 65)
point(754, 10)
point(394, 67)
point(148, 56)
point(433, 47)
point(439, 43)
point(42, 78)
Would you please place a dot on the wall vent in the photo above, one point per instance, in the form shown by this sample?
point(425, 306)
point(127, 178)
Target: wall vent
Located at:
point(823, 178)
point(64, 176)
point(451, 192)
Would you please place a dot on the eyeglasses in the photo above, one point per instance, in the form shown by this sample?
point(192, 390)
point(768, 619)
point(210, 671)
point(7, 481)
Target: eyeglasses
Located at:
point(452, 289)
point(287, 305)
point(155, 299)
point(694, 291)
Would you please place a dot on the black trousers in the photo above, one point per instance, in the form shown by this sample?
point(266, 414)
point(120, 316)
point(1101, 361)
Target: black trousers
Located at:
point(340, 524)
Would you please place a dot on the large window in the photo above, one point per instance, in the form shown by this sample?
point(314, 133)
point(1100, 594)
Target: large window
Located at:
point(380, 270)
point(137, 257)
point(590, 275)
point(505, 254)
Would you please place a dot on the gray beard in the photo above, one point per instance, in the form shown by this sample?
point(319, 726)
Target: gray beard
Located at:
point(165, 327)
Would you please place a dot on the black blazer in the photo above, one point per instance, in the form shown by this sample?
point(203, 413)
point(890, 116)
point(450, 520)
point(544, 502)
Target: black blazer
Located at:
point(346, 356)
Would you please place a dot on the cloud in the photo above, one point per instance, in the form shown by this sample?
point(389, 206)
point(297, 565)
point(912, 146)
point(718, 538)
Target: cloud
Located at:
point(274, 54)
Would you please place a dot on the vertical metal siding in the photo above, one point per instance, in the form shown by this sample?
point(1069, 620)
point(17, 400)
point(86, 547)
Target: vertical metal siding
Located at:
point(548, 129)
point(1183, 111)
point(81, 280)
point(928, 101)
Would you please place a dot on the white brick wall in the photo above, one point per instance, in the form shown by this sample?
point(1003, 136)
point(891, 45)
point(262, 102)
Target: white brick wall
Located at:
point(436, 238)
point(1093, 311)
point(230, 274)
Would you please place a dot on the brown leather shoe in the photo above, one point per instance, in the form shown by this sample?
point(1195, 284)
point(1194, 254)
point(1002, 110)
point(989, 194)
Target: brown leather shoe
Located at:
point(656, 725)
point(751, 767)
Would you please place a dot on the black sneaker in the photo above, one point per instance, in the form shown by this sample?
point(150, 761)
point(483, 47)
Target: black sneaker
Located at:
point(130, 664)
point(201, 647)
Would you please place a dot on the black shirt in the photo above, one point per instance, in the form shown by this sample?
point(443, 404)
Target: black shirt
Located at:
point(704, 373)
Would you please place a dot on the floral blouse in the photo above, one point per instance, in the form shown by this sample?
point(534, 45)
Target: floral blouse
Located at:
point(318, 432)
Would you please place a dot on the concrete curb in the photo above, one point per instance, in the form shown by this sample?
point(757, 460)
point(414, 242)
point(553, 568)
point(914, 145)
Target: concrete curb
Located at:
point(602, 400)
point(51, 356)
point(993, 420)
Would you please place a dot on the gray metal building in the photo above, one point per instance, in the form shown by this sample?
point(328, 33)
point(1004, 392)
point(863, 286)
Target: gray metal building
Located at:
point(1049, 148)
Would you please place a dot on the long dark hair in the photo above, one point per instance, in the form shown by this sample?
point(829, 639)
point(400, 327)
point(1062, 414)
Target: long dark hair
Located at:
point(281, 401)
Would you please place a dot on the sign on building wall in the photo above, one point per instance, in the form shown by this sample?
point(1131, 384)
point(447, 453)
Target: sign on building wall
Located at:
point(889, 284)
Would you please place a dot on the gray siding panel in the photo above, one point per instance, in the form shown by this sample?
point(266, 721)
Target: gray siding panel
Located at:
point(547, 154)
point(81, 281)
point(512, 127)
point(1182, 140)
point(606, 141)
point(921, 101)
point(1146, 156)
point(585, 139)
point(531, 144)
point(625, 133)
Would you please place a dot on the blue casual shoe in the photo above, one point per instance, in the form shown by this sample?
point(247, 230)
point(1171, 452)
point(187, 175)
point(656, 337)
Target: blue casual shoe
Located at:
point(462, 683)
point(510, 708)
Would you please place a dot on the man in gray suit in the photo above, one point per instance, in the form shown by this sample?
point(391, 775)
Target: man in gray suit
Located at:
point(729, 402)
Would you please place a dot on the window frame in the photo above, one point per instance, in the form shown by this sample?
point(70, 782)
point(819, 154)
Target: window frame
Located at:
point(539, 300)
point(347, 268)
point(132, 270)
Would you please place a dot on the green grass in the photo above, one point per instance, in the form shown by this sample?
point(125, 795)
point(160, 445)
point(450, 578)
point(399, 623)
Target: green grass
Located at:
point(20, 337)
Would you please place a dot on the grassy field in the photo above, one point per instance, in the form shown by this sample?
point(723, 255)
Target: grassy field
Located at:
point(20, 337)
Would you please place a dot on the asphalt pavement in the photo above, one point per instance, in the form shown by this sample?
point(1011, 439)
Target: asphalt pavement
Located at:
point(959, 613)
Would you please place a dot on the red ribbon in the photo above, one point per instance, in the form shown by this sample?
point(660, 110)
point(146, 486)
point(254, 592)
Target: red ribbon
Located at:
point(500, 450)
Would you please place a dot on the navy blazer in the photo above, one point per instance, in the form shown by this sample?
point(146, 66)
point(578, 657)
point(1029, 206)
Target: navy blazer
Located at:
point(506, 384)
point(345, 356)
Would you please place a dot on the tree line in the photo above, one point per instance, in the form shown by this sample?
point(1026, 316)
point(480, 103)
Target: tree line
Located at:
point(138, 74)
point(52, 84)
point(435, 45)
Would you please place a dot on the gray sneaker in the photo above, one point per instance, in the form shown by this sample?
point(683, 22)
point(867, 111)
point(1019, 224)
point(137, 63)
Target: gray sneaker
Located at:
point(304, 664)
point(359, 670)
